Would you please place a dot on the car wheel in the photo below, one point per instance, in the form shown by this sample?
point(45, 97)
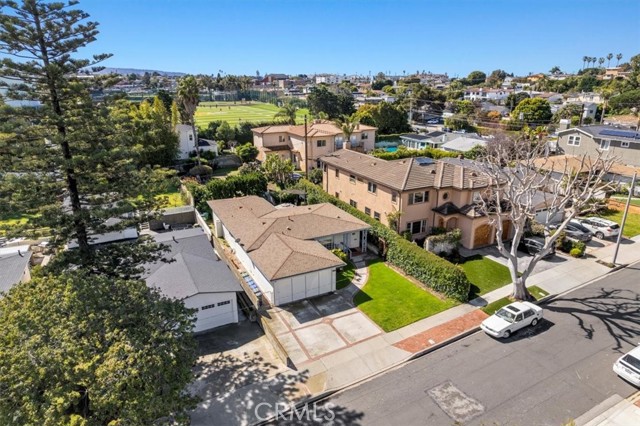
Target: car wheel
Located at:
point(506, 334)
point(600, 235)
point(534, 322)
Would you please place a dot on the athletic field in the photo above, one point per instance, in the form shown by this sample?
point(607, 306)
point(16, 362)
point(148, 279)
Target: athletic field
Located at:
point(254, 112)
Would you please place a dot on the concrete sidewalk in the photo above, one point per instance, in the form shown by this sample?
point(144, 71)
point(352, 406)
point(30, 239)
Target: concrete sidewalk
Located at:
point(614, 411)
point(356, 363)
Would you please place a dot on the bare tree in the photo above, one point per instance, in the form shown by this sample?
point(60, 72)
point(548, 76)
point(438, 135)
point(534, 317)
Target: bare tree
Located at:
point(522, 176)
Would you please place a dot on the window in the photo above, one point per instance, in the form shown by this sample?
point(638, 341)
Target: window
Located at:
point(417, 227)
point(352, 179)
point(519, 318)
point(574, 141)
point(372, 187)
point(337, 173)
point(394, 197)
point(528, 313)
point(445, 196)
point(604, 144)
point(364, 136)
point(337, 195)
point(419, 197)
point(281, 139)
point(367, 211)
point(321, 143)
point(324, 167)
point(226, 302)
point(477, 197)
point(190, 137)
point(353, 204)
point(376, 216)
point(207, 307)
point(624, 144)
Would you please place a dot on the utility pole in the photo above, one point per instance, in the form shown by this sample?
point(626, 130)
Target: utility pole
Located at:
point(581, 115)
point(306, 163)
point(624, 217)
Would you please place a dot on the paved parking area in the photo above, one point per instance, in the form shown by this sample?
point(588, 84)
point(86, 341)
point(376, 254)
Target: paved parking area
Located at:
point(313, 328)
point(523, 261)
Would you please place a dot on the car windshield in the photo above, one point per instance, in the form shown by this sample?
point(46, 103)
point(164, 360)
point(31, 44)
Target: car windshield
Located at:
point(506, 315)
point(579, 227)
point(614, 226)
point(632, 361)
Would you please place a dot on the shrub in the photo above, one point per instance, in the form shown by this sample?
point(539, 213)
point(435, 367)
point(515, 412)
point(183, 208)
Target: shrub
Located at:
point(315, 176)
point(201, 170)
point(232, 186)
point(575, 252)
point(407, 153)
point(431, 270)
point(340, 254)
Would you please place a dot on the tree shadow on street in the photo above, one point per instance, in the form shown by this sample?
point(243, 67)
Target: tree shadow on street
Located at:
point(246, 389)
point(617, 309)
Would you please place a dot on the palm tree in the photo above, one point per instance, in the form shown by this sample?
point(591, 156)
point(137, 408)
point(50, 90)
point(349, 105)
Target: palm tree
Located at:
point(584, 61)
point(189, 97)
point(600, 62)
point(609, 57)
point(618, 57)
point(288, 112)
point(348, 125)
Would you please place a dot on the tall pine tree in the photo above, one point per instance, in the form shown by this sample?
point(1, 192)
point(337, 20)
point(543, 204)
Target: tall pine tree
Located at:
point(72, 166)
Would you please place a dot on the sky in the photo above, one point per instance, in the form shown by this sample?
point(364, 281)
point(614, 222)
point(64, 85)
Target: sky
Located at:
point(362, 36)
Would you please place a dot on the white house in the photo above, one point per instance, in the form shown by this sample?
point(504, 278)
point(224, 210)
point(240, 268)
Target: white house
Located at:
point(186, 144)
point(193, 273)
point(286, 251)
point(14, 266)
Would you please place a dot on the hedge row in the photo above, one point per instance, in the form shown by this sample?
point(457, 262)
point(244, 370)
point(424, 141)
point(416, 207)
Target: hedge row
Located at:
point(233, 186)
point(406, 153)
point(428, 268)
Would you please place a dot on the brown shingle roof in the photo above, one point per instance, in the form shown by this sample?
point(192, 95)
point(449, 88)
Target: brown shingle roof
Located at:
point(408, 173)
point(281, 256)
point(253, 221)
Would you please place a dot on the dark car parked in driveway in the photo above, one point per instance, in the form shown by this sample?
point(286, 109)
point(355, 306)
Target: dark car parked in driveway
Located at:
point(578, 232)
point(534, 245)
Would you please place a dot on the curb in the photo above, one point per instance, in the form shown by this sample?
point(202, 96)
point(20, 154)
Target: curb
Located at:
point(328, 393)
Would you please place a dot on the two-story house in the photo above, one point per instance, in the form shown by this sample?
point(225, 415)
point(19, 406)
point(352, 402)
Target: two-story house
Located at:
point(413, 195)
point(322, 137)
point(621, 143)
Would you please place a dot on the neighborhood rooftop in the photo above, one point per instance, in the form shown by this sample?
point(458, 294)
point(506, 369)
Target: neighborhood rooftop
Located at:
point(190, 266)
point(409, 173)
point(607, 132)
point(252, 219)
point(314, 128)
point(12, 267)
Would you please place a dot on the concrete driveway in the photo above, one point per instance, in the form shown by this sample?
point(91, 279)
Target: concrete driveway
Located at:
point(316, 327)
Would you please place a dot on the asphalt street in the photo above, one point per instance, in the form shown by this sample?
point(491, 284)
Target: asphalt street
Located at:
point(547, 375)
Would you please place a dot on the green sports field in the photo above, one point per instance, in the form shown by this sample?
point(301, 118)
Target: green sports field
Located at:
point(254, 112)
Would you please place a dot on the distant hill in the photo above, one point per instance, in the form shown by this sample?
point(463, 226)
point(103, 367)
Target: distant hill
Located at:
point(127, 71)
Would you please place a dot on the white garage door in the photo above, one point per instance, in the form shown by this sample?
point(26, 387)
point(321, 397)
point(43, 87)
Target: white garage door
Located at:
point(215, 314)
point(304, 286)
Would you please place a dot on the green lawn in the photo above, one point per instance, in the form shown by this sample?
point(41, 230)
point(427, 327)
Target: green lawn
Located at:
point(392, 301)
point(345, 276)
point(491, 308)
point(225, 171)
point(485, 275)
point(631, 228)
point(255, 112)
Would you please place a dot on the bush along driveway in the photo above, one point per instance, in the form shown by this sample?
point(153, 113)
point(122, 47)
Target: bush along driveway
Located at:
point(392, 301)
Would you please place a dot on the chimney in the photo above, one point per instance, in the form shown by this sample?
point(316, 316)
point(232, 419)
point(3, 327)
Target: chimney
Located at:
point(564, 124)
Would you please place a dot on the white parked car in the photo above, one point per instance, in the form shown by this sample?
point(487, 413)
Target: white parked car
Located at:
point(628, 366)
point(512, 318)
point(601, 228)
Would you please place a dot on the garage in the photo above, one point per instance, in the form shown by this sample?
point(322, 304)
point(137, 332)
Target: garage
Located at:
point(482, 236)
point(192, 272)
point(303, 286)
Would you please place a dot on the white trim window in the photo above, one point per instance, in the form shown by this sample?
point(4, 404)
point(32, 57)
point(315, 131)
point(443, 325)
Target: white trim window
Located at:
point(321, 143)
point(364, 136)
point(417, 227)
point(605, 144)
point(624, 144)
point(419, 197)
point(573, 140)
point(394, 197)
point(367, 211)
point(372, 187)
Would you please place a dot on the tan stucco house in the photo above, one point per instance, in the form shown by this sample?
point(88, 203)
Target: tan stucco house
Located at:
point(609, 141)
point(322, 137)
point(427, 193)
